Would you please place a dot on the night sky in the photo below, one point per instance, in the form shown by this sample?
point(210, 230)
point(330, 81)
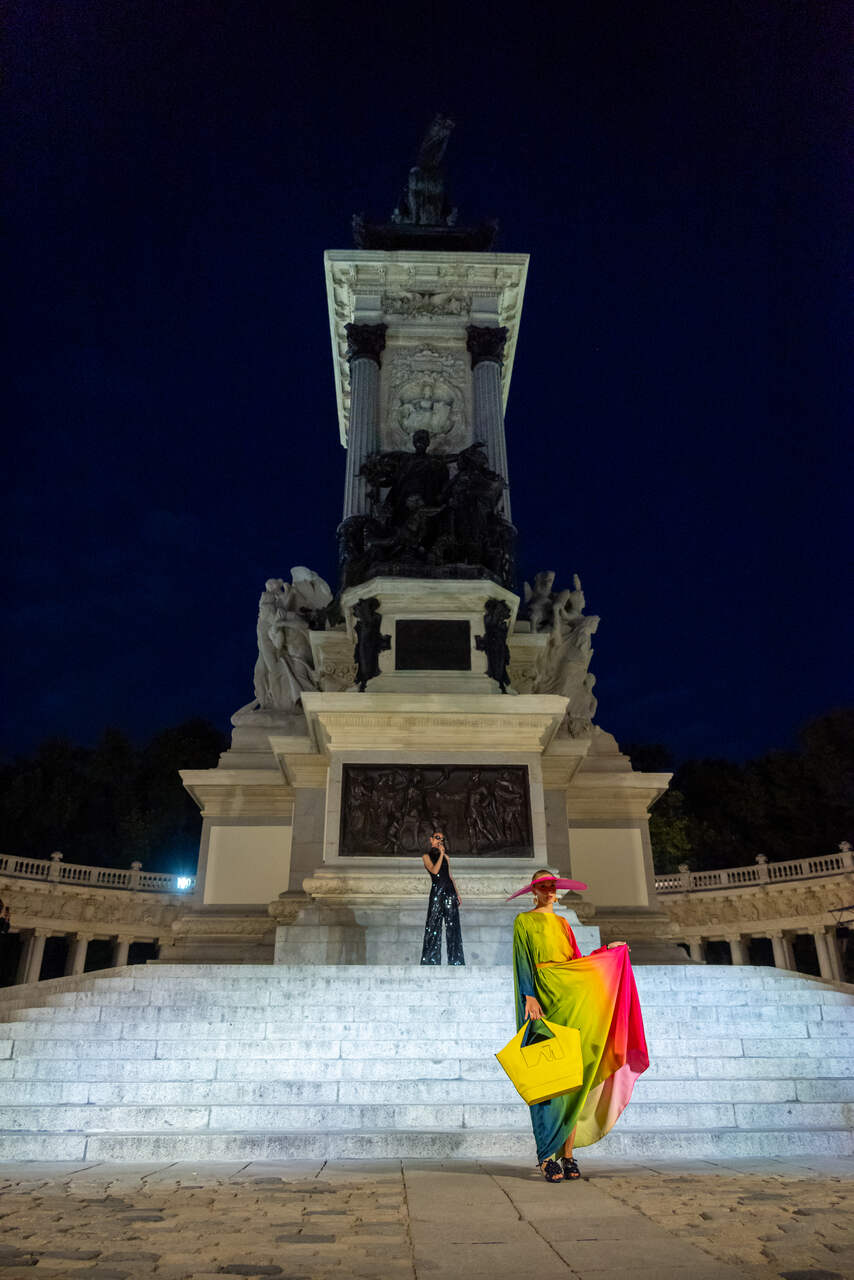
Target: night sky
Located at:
point(677, 412)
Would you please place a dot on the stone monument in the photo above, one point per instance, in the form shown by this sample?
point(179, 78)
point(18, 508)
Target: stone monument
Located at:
point(426, 691)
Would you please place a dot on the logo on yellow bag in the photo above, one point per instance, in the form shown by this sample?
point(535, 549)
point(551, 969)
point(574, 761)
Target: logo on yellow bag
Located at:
point(546, 1069)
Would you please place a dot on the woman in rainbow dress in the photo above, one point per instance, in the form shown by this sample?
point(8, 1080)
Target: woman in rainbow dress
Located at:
point(596, 994)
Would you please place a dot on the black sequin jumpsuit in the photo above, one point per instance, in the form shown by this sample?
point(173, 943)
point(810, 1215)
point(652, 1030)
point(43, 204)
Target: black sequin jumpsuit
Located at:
point(442, 907)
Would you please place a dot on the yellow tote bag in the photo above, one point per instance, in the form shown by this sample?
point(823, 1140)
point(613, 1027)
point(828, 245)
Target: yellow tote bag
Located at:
point(543, 1070)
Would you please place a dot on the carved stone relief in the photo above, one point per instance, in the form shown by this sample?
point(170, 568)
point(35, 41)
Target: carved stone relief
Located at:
point(426, 391)
point(426, 302)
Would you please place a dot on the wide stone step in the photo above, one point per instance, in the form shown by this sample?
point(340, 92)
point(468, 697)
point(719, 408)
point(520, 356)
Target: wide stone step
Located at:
point(373, 1014)
point(418, 1025)
point(401, 1049)
point(447, 1090)
point(514, 1144)
point(341, 1117)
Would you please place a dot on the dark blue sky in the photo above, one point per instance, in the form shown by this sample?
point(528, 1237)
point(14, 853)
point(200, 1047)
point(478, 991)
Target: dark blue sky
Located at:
point(676, 418)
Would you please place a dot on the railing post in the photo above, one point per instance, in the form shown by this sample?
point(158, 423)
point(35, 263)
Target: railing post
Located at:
point(55, 859)
point(685, 873)
point(761, 866)
point(135, 868)
point(847, 855)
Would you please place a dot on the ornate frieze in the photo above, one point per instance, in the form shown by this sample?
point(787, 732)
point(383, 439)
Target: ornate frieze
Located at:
point(757, 908)
point(425, 302)
point(63, 908)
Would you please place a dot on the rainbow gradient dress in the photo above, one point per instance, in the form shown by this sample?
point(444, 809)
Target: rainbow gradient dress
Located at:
point(596, 994)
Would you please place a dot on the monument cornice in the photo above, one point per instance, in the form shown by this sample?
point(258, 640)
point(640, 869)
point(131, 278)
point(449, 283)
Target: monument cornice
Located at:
point(607, 795)
point(370, 275)
point(239, 793)
point(487, 723)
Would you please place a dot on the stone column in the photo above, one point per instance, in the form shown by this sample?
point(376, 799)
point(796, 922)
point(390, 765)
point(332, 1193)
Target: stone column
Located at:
point(738, 951)
point(78, 945)
point(31, 960)
point(695, 947)
point(783, 954)
point(365, 343)
point(486, 346)
point(822, 950)
point(836, 961)
point(121, 947)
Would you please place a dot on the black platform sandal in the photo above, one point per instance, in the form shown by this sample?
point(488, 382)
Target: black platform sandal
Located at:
point(571, 1170)
point(551, 1170)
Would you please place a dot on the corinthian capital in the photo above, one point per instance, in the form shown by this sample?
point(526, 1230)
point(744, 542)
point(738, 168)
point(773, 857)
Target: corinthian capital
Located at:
point(485, 343)
point(365, 341)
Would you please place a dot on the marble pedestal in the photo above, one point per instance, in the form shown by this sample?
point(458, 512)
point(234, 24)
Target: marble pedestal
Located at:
point(377, 917)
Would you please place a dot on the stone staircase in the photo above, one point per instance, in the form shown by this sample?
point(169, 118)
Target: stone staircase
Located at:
point(196, 1062)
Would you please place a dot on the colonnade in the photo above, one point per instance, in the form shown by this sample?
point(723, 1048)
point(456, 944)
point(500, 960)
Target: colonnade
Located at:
point(32, 952)
point(828, 951)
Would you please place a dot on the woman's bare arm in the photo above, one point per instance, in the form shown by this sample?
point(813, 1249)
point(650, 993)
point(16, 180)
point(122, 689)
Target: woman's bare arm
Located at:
point(432, 867)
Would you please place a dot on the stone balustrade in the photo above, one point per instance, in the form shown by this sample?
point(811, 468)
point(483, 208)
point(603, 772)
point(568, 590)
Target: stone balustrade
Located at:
point(82, 904)
point(776, 901)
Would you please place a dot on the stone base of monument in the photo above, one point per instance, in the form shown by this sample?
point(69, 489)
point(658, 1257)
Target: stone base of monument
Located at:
point(222, 1062)
point(378, 917)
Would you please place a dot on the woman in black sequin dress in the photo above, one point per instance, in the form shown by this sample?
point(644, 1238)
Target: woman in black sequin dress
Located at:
point(443, 907)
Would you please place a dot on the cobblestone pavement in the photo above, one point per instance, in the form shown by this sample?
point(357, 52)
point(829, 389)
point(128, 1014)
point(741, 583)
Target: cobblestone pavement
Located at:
point(426, 1221)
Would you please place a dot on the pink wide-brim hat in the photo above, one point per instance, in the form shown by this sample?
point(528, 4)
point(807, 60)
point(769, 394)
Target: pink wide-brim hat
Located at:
point(559, 882)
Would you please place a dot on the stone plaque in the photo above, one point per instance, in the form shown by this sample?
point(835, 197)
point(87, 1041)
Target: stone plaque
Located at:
point(431, 644)
point(392, 810)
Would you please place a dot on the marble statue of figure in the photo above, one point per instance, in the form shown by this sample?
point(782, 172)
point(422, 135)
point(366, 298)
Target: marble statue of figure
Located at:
point(569, 650)
point(540, 601)
point(427, 407)
point(284, 670)
point(582, 709)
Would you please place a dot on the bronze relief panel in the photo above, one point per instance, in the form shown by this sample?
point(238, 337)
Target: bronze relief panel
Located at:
point(392, 810)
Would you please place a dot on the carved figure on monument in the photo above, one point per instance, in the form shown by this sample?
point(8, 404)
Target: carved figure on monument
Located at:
point(424, 218)
point(412, 539)
point(369, 642)
point(482, 823)
point(508, 799)
point(567, 656)
point(406, 474)
point(424, 203)
point(428, 517)
point(582, 709)
point(284, 666)
point(426, 406)
point(426, 392)
point(493, 642)
point(539, 600)
point(472, 497)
